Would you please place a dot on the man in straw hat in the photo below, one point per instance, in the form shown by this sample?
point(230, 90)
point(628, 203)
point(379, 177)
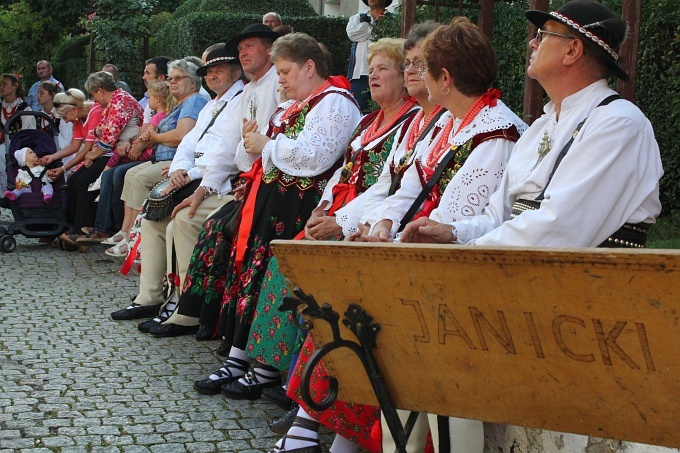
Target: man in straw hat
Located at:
point(586, 173)
point(359, 32)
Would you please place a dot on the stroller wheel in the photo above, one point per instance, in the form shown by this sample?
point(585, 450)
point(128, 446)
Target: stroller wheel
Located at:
point(7, 244)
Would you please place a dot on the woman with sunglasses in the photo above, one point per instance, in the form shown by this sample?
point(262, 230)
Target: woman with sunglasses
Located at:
point(72, 107)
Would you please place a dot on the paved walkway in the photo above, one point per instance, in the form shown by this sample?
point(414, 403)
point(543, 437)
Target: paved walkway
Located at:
point(73, 380)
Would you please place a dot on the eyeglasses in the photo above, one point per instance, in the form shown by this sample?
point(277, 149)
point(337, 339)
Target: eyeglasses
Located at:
point(59, 104)
point(422, 70)
point(540, 33)
point(407, 64)
point(177, 79)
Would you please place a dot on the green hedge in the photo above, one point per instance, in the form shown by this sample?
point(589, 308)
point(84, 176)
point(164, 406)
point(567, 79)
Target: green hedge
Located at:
point(658, 87)
point(70, 61)
point(191, 34)
point(285, 8)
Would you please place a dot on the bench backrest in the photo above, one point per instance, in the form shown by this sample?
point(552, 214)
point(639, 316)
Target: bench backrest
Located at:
point(576, 340)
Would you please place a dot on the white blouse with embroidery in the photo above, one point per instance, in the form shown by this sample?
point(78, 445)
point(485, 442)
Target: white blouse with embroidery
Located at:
point(610, 176)
point(377, 194)
point(321, 143)
point(467, 194)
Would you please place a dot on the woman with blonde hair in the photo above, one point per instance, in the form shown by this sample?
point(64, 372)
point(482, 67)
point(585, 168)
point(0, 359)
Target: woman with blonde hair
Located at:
point(72, 107)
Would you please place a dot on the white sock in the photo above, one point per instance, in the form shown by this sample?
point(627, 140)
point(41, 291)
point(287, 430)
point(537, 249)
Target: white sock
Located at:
point(236, 365)
point(343, 445)
point(168, 308)
point(291, 442)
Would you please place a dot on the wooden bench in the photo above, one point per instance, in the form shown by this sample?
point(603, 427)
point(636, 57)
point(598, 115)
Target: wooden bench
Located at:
point(579, 341)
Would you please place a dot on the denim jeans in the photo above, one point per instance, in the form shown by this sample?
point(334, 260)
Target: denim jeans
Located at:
point(111, 209)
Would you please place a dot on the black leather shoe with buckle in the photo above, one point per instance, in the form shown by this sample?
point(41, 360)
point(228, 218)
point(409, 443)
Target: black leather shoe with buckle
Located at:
point(253, 391)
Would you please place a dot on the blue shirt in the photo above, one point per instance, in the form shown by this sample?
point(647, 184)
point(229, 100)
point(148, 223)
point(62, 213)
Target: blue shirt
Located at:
point(190, 108)
point(144, 101)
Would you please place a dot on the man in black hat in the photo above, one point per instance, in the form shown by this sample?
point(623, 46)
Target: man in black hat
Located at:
point(586, 173)
point(260, 96)
point(359, 32)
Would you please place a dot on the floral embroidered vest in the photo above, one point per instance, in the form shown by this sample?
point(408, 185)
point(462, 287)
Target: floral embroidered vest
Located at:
point(367, 163)
point(291, 128)
point(462, 153)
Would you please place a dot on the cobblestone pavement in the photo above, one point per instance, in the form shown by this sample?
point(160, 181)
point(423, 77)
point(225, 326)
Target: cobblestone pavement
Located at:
point(73, 380)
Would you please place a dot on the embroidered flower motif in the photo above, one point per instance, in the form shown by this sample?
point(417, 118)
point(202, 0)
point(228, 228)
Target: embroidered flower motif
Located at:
point(258, 256)
point(242, 305)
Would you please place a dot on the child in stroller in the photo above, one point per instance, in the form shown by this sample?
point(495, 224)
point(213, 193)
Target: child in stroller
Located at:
point(36, 215)
point(29, 171)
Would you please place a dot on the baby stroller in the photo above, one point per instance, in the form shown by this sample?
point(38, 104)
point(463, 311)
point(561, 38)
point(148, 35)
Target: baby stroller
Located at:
point(33, 218)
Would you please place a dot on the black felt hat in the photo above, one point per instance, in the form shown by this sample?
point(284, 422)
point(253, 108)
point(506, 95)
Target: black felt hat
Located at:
point(596, 23)
point(387, 2)
point(251, 31)
point(215, 57)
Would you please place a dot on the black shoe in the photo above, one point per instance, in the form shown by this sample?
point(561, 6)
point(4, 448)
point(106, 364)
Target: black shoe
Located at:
point(135, 311)
point(238, 391)
point(145, 326)
point(172, 330)
point(283, 424)
point(306, 424)
point(209, 386)
point(224, 347)
point(204, 334)
point(277, 395)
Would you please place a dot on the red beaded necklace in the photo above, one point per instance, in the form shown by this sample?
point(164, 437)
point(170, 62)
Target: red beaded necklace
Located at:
point(299, 105)
point(443, 143)
point(12, 111)
point(374, 130)
point(417, 130)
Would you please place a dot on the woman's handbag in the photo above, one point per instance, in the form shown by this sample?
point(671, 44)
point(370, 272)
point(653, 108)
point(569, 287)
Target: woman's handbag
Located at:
point(160, 205)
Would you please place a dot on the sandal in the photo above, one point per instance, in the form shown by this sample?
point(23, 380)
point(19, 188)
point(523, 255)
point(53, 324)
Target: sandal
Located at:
point(119, 250)
point(307, 424)
point(94, 238)
point(117, 238)
point(70, 239)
